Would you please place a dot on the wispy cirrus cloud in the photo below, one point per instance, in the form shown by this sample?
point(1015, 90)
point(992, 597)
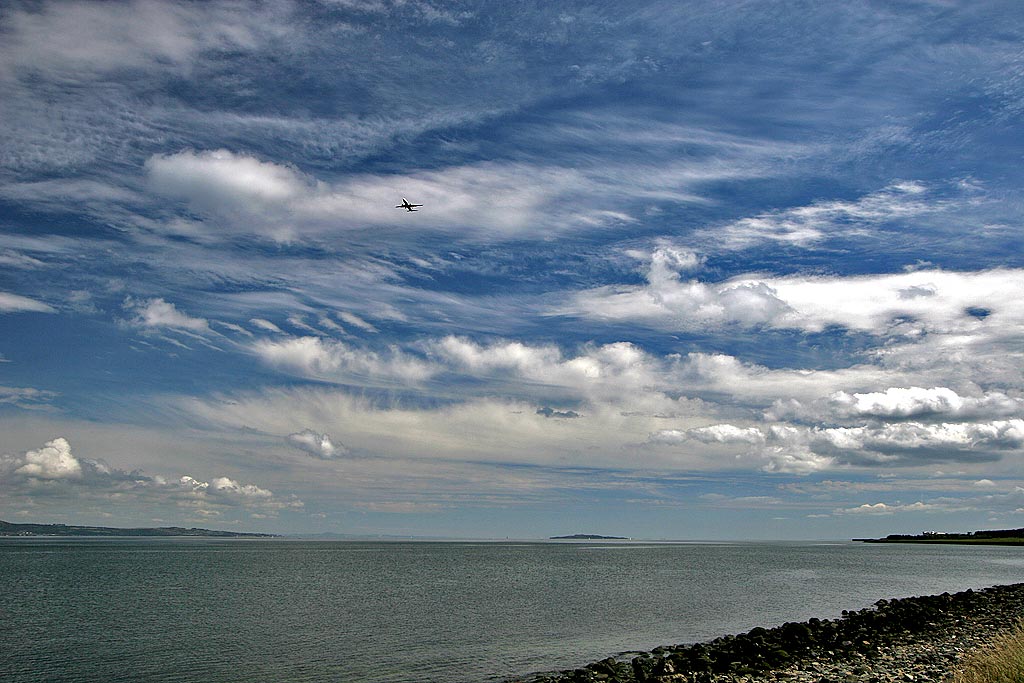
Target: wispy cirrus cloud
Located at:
point(82, 40)
point(805, 225)
point(26, 397)
point(15, 303)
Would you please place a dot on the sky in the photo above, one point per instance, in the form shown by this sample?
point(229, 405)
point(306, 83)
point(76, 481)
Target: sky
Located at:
point(683, 270)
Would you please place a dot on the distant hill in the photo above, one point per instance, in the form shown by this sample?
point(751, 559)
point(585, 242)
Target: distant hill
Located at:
point(989, 537)
point(588, 537)
point(9, 529)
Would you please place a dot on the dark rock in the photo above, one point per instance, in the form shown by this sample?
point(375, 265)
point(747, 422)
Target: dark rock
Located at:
point(821, 646)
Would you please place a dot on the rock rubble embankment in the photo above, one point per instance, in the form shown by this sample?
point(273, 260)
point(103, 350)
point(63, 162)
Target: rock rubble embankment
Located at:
point(908, 640)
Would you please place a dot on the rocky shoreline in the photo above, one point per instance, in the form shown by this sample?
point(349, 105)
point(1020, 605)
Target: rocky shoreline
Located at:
point(908, 640)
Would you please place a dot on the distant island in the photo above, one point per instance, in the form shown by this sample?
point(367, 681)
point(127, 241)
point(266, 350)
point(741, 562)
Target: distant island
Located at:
point(990, 537)
point(9, 529)
point(587, 537)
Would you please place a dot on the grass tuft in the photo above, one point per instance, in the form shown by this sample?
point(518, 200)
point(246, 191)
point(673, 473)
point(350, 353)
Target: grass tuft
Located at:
point(1002, 662)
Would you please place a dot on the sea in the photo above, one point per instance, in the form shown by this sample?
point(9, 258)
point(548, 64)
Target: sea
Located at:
point(283, 611)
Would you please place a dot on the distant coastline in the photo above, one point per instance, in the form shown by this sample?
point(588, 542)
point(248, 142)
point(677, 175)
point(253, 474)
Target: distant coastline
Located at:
point(989, 537)
point(588, 537)
point(9, 529)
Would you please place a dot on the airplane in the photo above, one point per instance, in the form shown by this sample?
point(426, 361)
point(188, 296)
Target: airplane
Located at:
point(406, 205)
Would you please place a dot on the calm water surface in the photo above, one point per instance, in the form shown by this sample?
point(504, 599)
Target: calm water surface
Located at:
point(281, 611)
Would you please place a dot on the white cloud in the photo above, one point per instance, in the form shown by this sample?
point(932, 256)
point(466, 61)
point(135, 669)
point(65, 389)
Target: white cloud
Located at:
point(619, 373)
point(896, 404)
point(726, 433)
point(879, 304)
point(807, 224)
point(54, 471)
point(232, 186)
point(883, 509)
point(316, 444)
point(71, 40)
point(902, 402)
point(234, 328)
point(667, 262)
point(25, 397)
point(157, 313)
point(777, 448)
point(951, 441)
point(53, 461)
point(530, 361)
point(13, 259)
point(800, 449)
point(15, 303)
point(481, 429)
point(238, 192)
point(356, 321)
point(334, 361)
point(266, 325)
point(668, 302)
point(244, 193)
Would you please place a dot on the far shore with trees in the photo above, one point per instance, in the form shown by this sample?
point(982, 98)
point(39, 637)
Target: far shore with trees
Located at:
point(989, 537)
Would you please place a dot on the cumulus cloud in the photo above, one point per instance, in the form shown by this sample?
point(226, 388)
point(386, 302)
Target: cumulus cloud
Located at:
point(316, 444)
point(15, 303)
point(157, 313)
point(778, 448)
point(726, 433)
point(54, 470)
point(903, 402)
point(667, 262)
point(594, 372)
point(331, 360)
point(530, 361)
point(223, 488)
point(52, 461)
point(897, 404)
point(877, 304)
point(800, 449)
point(883, 509)
point(908, 442)
point(669, 302)
point(235, 187)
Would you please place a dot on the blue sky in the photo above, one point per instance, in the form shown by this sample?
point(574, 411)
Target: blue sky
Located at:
point(683, 270)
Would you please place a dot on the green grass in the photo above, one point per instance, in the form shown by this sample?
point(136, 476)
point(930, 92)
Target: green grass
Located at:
point(1002, 662)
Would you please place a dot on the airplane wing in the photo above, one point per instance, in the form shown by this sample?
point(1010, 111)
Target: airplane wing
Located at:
point(406, 205)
